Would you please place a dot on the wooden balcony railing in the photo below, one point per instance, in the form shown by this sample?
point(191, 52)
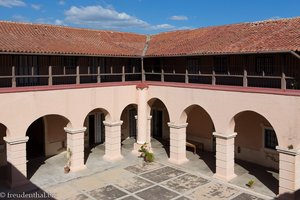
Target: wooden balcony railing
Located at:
point(243, 80)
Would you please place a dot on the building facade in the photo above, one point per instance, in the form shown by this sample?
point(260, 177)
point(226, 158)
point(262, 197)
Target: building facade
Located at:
point(233, 89)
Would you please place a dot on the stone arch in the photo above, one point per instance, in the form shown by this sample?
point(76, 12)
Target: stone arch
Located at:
point(159, 112)
point(128, 116)
point(4, 132)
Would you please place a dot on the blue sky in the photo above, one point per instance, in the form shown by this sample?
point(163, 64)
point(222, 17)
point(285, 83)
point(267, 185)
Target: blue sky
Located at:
point(146, 16)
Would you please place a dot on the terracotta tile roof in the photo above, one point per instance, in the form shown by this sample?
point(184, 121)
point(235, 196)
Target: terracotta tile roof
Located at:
point(49, 39)
point(265, 36)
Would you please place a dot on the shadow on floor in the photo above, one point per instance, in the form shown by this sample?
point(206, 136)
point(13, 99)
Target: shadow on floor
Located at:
point(159, 142)
point(263, 174)
point(209, 158)
point(34, 164)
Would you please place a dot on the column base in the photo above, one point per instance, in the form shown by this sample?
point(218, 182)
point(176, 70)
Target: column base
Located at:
point(79, 168)
point(178, 162)
point(112, 158)
point(224, 178)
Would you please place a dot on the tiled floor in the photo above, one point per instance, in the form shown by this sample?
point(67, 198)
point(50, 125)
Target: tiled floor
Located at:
point(153, 181)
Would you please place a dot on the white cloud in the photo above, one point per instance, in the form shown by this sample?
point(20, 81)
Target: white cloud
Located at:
point(58, 22)
point(102, 17)
point(11, 3)
point(20, 18)
point(108, 18)
point(179, 18)
point(36, 6)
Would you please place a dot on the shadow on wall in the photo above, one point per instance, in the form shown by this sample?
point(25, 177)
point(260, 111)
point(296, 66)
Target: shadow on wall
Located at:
point(26, 190)
point(289, 196)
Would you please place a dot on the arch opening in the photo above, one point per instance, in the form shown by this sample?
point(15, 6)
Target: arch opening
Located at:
point(255, 150)
point(199, 137)
point(47, 138)
point(3, 155)
point(159, 129)
point(129, 126)
point(94, 135)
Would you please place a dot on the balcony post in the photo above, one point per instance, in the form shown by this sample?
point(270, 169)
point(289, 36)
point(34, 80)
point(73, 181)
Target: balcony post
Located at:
point(186, 76)
point(283, 81)
point(123, 73)
point(143, 70)
point(13, 74)
point(162, 75)
point(245, 79)
point(213, 79)
point(98, 75)
point(77, 75)
point(50, 78)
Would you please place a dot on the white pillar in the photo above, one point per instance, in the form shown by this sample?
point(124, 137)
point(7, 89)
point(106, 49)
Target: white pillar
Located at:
point(148, 138)
point(75, 142)
point(178, 143)
point(142, 120)
point(16, 161)
point(225, 156)
point(112, 140)
point(289, 172)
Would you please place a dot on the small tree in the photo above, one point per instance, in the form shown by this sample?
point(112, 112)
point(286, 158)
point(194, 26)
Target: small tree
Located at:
point(145, 153)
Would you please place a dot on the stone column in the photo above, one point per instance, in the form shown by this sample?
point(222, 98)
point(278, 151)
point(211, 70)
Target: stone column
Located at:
point(112, 140)
point(177, 143)
point(225, 156)
point(75, 142)
point(148, 138)
point(289, 173)
point(142, 91)
point(16, 161)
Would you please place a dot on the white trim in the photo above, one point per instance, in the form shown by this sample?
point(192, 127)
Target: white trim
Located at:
point(111, 124)
point(75, 131)
point(13, 141)
point(224, 136)
point(288, 151)
point(177, 126)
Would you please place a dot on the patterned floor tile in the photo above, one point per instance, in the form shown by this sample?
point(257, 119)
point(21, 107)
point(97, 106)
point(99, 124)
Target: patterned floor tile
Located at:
point(143, 167)
point(185, 183)
point(162, 174)
point(79, 197)
point(245, 196)
point(107, 193)
point(130, 198)
point(213, 191)
point(134, 184)
point(157, 193)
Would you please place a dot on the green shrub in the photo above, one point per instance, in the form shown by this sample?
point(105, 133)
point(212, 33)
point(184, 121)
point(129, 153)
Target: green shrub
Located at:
point(250, 183)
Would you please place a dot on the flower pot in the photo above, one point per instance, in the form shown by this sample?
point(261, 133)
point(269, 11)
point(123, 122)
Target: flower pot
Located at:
point(67, 169)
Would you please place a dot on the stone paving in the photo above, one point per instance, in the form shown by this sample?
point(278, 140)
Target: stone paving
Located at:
point(153, 181)
point(130, 179)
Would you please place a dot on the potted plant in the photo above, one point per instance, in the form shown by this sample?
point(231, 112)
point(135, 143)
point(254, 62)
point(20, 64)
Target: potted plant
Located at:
point(146, 154)
point(250, 183)
point(68, 165)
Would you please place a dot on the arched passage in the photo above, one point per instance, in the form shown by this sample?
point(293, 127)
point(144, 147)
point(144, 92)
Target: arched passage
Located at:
point(128, 116)
point(255, 149)
point(95, 130)
point(129, 126)
point(199, 136)
point(3, 153)
point(47, 138)
point(160, 119)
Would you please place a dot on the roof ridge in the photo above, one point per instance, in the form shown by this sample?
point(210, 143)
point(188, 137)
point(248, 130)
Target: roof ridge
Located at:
point(148, 38)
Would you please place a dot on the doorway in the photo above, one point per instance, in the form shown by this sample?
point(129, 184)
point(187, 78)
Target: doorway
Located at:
point(36, 142)
point(132, 122)
point(157, 123)
point(96, 129)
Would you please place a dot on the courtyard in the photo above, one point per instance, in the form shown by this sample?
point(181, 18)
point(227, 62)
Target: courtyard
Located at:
point(130, 178)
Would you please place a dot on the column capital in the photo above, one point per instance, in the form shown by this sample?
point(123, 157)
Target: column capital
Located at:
point(177, 125)
point(284, 150)
point(13, 141)
point(75, 130)
point(111, 124)
point(224, 136)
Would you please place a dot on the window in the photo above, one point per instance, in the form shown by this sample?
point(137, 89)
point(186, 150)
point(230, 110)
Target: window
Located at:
point(264, 64)
point(221, 65)
point(270, 138)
